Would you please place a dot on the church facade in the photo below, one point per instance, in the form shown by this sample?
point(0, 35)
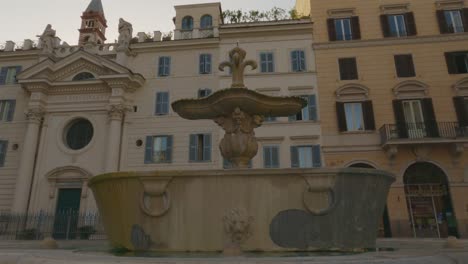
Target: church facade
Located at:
point(72, 112)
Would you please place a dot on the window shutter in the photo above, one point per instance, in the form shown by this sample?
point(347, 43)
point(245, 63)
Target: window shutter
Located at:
point(18, 70)
point(404, 66)
point(316, 157)
point(11, 110)
point(312, 100)
point(201, 64)
point(411, 24)
point(193, 148)
point(169, 148)
point(158, 104)
point(206, 147)
point(294, 157)
point(295, 61)
point(3, 151)
point(161, 66)
point(168, 67)
point(443, 27)
point(208, 64)
point(267, 157)
point(165, 103)
point(368, 112)
point(275, 163)
point(355, 28)
point(263, 62)
point(271, 60)
point(451, 63)
point(341, 117)
point(429, 118)
point(400, 118)
point(465, 19)
point(331, 29)
point(461, 110)
point(385, 26)
point(302, 60)
point(3, 74)
point(149, 150)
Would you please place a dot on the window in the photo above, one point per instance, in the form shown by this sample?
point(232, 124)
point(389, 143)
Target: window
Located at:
point(399, 25)
point(453, 21)
point(83, 76)
point(90, 23)
point(415, 118)
point(205, 64)
point(298, 61)
point(162, 103)
point(306, 157)
point(461, 106)
point(270, 119)
point(271, 157)
point(267, 63)
point(79, 134)
point(348, 69)
point(309, 112)
point(457, 62)
point(206, 22)
point(187, 23)
point(344, 28)
point(7, 110)
point(200, 148)
point(355, 116)
point(202, 93)
point(404, 66)
point(164, 66)
point(3, 151)
point(158, 149)
point(8, 75)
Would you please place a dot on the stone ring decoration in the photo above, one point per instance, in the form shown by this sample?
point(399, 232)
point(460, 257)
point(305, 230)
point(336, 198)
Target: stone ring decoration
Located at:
point(319, 200)
point(155, 189)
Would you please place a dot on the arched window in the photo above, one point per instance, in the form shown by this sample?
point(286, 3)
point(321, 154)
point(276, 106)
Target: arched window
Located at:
point(206, 22)
point(79, 134)
point(187, 23)
point(83, 76)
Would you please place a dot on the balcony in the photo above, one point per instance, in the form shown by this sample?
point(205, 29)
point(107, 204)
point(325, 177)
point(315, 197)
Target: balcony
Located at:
point(423, 133)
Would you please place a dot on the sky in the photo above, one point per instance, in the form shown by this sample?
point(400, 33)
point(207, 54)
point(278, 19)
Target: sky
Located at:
point(28, 18)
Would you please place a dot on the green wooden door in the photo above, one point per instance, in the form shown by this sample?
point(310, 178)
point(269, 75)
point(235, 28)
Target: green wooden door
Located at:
point(66, 213)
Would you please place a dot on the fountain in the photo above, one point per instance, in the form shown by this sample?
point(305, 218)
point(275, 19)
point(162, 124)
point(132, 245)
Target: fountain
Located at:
point(240, 210)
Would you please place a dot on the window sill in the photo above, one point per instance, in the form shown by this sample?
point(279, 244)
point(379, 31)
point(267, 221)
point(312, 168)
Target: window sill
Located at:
point(199, 162)
point(364, 132)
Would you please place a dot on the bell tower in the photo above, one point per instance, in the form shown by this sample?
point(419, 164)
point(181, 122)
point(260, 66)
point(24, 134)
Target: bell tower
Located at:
point(93, 24)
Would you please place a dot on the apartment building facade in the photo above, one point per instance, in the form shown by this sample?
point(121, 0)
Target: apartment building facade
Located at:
point(68, 113)
point(393, 95)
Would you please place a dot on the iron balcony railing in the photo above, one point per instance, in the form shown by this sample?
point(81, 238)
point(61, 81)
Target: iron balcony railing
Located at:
point(61, 226)
point(424, 130)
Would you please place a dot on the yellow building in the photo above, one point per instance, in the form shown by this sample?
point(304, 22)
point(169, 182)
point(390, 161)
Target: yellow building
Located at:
point(393, 85)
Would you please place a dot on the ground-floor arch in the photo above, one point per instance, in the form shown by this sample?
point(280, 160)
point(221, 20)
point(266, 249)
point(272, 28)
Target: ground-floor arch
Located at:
point(429, 202)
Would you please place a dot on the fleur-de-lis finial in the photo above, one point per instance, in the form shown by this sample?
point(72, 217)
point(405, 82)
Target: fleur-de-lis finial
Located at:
point(238, 65)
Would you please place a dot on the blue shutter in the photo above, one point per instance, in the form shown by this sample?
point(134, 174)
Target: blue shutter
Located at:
point(271, 62)
point(312, 100)
point(11, 110)
point(149, 150)
point(3, 74)
point(302, 60)
point(263, 62)
point(207, 147)
point(165, 103)
point(157, 110)
point(193, 148)
point(295, 61)
point(168, 66)
point(169, 144)
point(3, 150)
point(18, 70)
point(316, 157)
point(275, 157)
point(267, 157)
point(294, 157)
point(201, 64)
point(161, 66)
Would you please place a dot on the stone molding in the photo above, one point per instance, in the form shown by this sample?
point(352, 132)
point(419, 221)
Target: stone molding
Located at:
point(352, 92)
point(35, 115)
point(449, 4)
point(341, 12)
point(117, 112)
point(395, 8)
point(56, 176)
point(411, 89)
point(391, 41)
point(461, 87)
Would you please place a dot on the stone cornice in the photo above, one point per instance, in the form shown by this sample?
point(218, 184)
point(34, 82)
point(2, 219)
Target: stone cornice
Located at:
point(20, 54)
point(391, 41)
point(175, 45)
point(299, 27)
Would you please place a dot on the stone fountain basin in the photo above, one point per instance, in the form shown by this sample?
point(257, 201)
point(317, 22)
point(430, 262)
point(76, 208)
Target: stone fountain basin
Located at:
point(224, 102)
point(290, 209)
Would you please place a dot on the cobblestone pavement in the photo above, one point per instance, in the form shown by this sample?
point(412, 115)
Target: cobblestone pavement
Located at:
point(411, 251)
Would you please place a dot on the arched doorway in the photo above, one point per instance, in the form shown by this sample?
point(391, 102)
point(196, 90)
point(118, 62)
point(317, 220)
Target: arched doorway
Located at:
point(385, 229)
point(428, 201)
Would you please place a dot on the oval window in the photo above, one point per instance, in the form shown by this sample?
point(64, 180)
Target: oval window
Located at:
point(78, 134)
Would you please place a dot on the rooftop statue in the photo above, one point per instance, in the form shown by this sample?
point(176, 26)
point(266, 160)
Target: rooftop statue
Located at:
point(48, 39)
point(125, 34)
